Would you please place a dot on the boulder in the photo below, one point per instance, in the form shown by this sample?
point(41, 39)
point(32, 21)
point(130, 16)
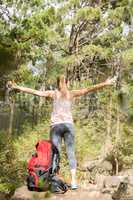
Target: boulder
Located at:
point(99, 180)
point(103, 165)
point(106, 165)
point(129, 192)
point(112, 181)
point(126, 172)
point(23, 193)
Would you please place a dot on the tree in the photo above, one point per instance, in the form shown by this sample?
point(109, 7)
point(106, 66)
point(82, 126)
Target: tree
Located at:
point(86, 40)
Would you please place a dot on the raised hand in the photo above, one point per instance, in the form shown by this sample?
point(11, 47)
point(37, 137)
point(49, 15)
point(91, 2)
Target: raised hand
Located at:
point(10, 85)
point(111, 81)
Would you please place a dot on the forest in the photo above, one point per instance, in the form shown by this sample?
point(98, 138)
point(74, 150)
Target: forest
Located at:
point(86, 40)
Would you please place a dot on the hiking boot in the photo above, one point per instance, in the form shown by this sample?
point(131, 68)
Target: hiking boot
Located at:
point(74, 186)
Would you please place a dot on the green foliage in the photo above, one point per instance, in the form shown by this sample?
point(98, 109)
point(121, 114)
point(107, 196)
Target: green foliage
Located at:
point(23, 75)
point(15, 154)
point(88, 13)
point(85, 40)
point(93, 50)
point(70, 60)
point(115, 16)
point(127, 57)
point(8, 165)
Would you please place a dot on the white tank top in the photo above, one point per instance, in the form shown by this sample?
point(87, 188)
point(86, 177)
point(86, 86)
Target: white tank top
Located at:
point(62, 110)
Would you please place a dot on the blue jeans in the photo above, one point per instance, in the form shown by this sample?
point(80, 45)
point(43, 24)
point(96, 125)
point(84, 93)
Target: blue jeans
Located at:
point(65, 131)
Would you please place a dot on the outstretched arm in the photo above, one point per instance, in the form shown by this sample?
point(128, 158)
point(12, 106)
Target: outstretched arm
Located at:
point(48, 93)
point(76, 93)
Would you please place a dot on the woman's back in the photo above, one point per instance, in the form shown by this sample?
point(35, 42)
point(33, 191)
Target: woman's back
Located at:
point(62, 108)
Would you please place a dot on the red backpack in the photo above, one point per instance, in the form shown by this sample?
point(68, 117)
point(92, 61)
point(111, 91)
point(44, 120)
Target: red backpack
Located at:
point(43, 165)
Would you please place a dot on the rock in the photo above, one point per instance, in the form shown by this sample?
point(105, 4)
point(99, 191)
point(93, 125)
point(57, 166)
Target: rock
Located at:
point(81, 194)
point(106, 165)
point(23, 193)
point(130, 191)
point(107, 197)
point(90, 164)
point(112, 181)
point(99, 180)
point(108, 181)
point(97, 195)
point(84, 195)
point(112, 184)
point(126, 172)
point(121, 191)
point(130, 179)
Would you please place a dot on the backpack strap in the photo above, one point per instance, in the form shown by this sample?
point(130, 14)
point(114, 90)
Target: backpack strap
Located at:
point(58, 186)
point(55, 160)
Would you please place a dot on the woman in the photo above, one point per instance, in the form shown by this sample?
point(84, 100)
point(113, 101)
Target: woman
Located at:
point(61, 117)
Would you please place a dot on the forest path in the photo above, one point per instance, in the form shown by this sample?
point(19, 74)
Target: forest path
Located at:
point(80, 194)
point(119, 187)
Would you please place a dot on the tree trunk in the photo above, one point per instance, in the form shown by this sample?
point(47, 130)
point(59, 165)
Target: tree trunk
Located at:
point(12, 107)
point(118, 134)
point(108, 146)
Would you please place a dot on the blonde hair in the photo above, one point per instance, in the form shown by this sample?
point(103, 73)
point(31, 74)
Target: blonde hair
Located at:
point(62, 85)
